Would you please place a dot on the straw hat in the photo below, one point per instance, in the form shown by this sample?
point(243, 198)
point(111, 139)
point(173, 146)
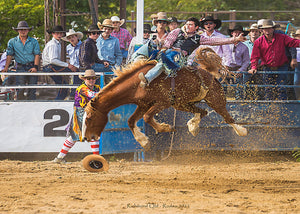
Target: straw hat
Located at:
point(72, 32)
point(161, 16)
point(22, 25)
point(253, 27)
point(266, 23)
point(88, 73)
point(297, 32)
point(106, 23)
point(117, 19)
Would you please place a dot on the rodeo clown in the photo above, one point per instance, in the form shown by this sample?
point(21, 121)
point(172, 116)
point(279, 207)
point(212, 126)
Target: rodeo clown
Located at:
point(84, 93)
point(179, 44)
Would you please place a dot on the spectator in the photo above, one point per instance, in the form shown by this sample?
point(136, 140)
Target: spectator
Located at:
point(251, 92)
point(108, 47)
point(134, 44)
point(173, 23)
point(161, 29)
point(210, 25)
point(122, 34)
point(88, 53)
point(240, 58)
point(84, 93)
point(26, 51)
point(183, 41)
point(52, 60)
point(270, 49)
point(153, 17)
point(297, 69)
point(72, 50)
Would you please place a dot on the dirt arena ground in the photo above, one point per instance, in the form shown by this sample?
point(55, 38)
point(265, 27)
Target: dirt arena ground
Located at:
point(185, 183)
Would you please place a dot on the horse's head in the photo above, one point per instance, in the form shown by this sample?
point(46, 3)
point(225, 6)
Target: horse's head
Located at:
point(93, 122)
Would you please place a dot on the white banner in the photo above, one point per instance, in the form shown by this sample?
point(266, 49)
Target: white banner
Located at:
point(36, 127)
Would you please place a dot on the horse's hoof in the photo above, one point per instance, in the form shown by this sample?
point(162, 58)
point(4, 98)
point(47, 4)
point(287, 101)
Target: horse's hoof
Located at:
point(147, 146)
point(240, 130)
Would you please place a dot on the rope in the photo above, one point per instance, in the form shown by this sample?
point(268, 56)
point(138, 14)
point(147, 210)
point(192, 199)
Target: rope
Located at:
point(172, 138)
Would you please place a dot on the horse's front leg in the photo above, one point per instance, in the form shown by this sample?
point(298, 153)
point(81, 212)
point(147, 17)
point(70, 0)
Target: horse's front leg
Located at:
point(193, 124)
point(149, 118)
point(138, 135)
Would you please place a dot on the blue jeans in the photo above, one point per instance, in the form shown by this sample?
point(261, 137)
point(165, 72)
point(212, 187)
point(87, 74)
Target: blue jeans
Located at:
point(101, 68)
point(22, 80)
point(124, 53)
point(279, 93)
point(62, 92)
point(297, 81)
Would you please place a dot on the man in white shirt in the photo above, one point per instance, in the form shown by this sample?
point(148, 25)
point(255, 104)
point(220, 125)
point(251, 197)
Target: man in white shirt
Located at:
point(211, 25)
point(52, 60)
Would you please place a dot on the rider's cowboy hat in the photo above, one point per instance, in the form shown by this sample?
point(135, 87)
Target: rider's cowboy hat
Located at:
point(161, 16)
point(22, 25)
point(88, 73)
point(218, 22)
point(56, 28)
point(117, 19)
point(240, 28)
point(106, 23)
point(267, 23)
point(72, 32)
point(91, 29)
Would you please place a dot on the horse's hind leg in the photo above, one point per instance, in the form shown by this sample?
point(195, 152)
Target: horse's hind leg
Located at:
point(132, 121)
point(216, 99)
point(159, 127)
point(193, 124)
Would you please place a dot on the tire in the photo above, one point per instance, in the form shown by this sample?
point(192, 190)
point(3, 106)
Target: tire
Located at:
point(95, 163)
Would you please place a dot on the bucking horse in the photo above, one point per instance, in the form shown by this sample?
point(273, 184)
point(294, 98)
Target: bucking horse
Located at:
point(182, 92)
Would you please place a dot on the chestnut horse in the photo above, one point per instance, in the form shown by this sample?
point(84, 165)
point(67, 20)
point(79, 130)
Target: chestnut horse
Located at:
point(191, 86)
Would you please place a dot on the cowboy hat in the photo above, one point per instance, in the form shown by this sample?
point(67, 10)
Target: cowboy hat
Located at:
point(253, 27)
point(117, 19)
point(56, 28)
point(161, 16)
point(218, 22)
point(106, 23)
point(92, 28)
point(147, 28)
point(238, 27)
point(266, 23)
point(173, 19)
point(22, 25)
point(72, 32)
point(88, 73)
point(297, 32)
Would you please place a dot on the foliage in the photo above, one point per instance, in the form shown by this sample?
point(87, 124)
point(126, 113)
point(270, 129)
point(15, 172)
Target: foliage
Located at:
point(296, 154)
point(13, 11)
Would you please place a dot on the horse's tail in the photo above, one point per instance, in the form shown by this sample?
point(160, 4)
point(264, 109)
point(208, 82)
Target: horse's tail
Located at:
point(208, 60)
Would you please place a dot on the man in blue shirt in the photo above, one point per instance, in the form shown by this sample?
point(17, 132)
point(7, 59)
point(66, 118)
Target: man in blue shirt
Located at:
point(108, 47)
point(26, 51)
point(73, 52)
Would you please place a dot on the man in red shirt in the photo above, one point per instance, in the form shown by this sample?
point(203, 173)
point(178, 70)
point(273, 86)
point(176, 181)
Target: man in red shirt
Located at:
point(270, 49)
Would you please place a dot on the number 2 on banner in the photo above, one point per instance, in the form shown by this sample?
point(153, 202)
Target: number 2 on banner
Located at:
point(63, 120)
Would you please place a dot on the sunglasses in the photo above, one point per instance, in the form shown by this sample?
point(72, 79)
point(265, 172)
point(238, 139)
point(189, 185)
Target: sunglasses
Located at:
point(94, 33)
point(209, 23)
point(162, 22)
point(91, 78)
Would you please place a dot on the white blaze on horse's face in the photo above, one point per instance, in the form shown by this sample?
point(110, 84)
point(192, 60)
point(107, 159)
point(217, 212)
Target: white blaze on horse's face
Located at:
point(83, 129)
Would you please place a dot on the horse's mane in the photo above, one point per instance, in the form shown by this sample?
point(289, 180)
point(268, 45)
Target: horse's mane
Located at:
point(124, 71)
point(212, 62)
